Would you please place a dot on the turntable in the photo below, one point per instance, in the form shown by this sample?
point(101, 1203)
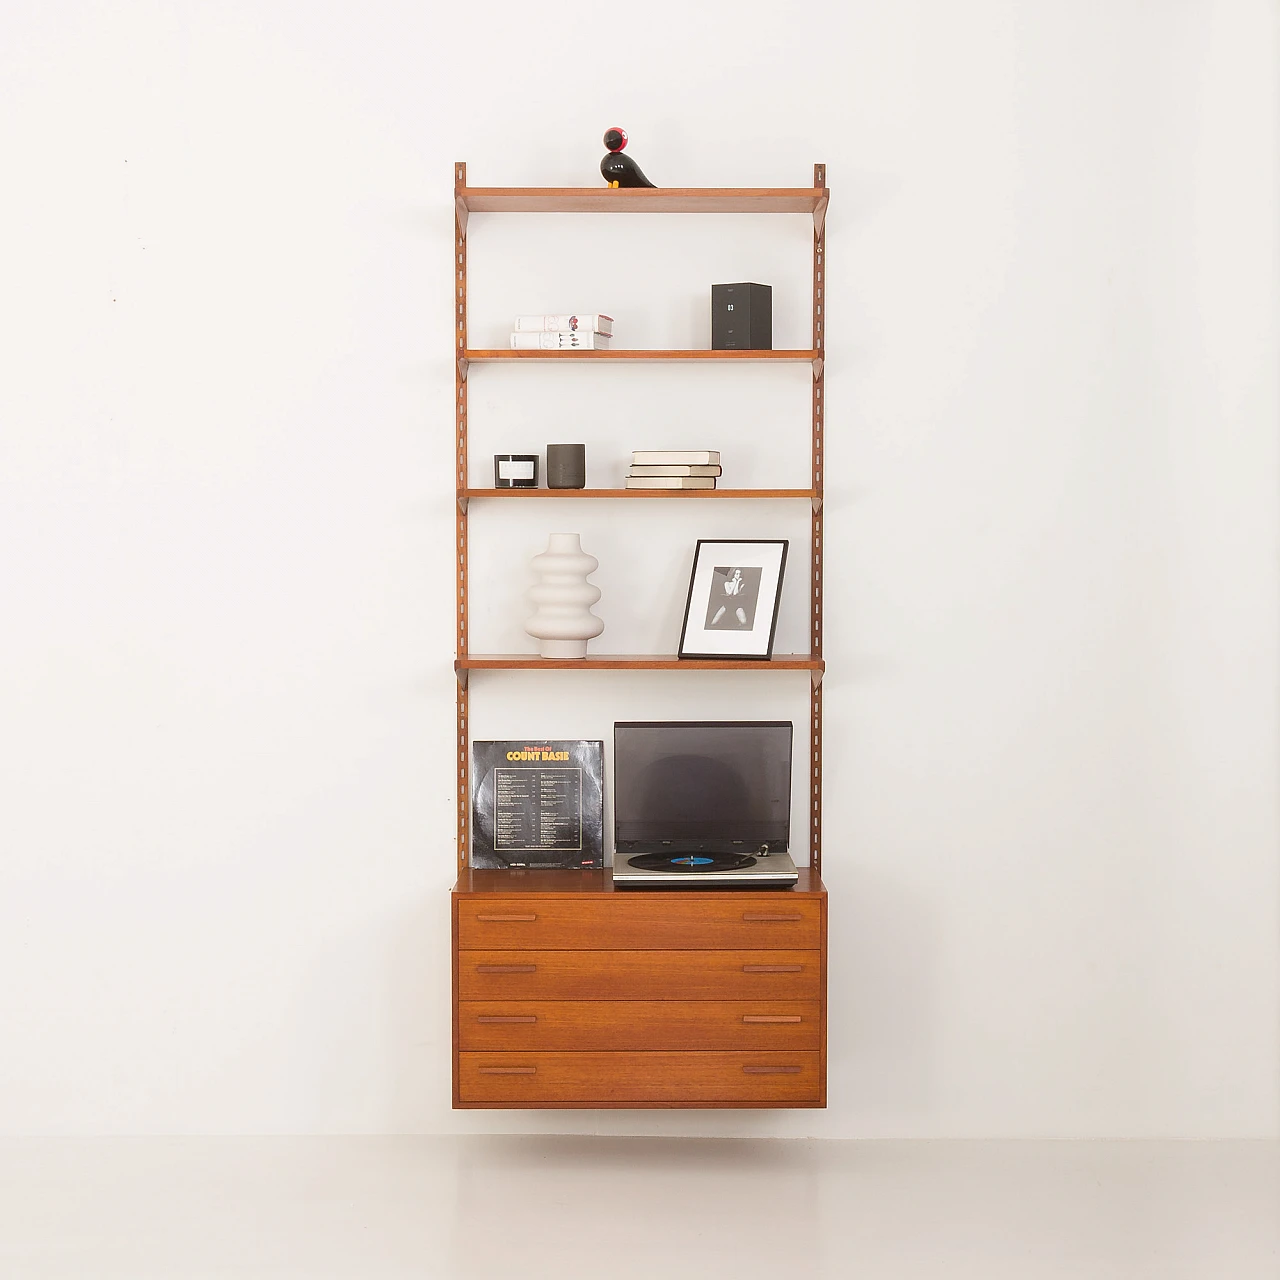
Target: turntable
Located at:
point(702, 804)
point(692, 870)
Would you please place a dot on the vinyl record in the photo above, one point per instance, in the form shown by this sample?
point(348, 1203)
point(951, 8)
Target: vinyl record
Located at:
point(692, 863)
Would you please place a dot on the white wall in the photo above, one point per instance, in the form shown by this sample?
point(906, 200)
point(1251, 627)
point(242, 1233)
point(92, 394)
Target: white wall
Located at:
point(225, 513)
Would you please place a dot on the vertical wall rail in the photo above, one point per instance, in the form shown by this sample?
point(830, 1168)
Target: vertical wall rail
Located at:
point(819, 467)
point(460, 513)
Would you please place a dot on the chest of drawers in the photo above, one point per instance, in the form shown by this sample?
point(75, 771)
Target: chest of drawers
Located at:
point(569, 993)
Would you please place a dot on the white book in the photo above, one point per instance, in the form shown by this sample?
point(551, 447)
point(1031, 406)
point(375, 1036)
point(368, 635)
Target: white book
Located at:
point(676, 457)
point(671, 482)
point(567, 323)
point(560, 341)
point(675, 469)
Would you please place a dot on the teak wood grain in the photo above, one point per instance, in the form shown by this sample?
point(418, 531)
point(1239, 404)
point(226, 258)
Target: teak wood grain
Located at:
point(818, 471)
point(639, 975)
point(705, 1020)
point(644, 922)
point(634, 662)
point(642, 199)
point(690, 1025)
point(625, 1078)
point(498, 355)
point(527, 885)
point(807, 494)
point(597, 1010)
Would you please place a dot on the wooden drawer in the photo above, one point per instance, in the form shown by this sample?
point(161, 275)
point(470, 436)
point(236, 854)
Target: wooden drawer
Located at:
point(640, 921)
point(619, 1079)
point(639, 975)
point(639, 1024)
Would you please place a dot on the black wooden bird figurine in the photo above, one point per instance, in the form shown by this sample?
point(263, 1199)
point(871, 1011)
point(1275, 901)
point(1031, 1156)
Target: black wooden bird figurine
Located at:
point(619, 170)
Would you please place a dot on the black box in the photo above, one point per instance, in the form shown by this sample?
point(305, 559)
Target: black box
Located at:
point(741, 317)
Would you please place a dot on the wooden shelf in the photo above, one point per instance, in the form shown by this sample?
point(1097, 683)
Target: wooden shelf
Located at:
point(807, 494)
point(556, 882)
point(494, 356)
point(642, 200)
point(635, 662)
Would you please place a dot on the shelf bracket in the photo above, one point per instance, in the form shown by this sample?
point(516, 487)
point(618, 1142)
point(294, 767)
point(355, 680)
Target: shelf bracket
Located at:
point(818, 362)
point(819, 216)
point(816, 677)
point(464, 676)
point(461, 212)
point(463, 502)
point(816, 503)
point(463, 365)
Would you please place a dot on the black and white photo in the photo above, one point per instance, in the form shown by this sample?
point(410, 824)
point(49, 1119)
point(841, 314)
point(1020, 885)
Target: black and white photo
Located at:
point(734, 591)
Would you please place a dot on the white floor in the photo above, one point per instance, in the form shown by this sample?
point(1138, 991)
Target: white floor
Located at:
point(622, 1209)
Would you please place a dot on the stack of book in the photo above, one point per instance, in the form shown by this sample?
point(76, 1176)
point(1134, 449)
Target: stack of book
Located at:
point(674, 469)
point(562, 333)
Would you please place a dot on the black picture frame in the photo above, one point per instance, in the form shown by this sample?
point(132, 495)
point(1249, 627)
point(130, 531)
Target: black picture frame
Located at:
point(712, 623)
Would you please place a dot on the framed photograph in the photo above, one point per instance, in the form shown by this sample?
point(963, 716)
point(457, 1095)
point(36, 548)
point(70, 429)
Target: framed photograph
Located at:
point(734, 590)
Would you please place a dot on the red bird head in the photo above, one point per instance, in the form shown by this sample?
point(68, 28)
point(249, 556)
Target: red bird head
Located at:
point(615, 139)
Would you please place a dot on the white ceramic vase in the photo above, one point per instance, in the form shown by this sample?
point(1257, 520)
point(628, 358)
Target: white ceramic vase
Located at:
point(562, 621)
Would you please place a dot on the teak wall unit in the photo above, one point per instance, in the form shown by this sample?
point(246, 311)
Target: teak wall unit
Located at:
point(567, 992)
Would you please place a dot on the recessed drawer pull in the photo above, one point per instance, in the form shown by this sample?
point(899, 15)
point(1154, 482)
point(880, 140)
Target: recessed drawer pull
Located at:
point(772, 1071)
point(771, 1017)
point(513, 919)
point(761, 918)
point(521, 1071)
point(773, 968)
point(488, 1018)
point(506, 968)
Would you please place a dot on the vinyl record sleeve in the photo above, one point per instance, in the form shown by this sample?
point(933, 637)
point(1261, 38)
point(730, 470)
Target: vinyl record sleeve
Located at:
point(537, 804)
